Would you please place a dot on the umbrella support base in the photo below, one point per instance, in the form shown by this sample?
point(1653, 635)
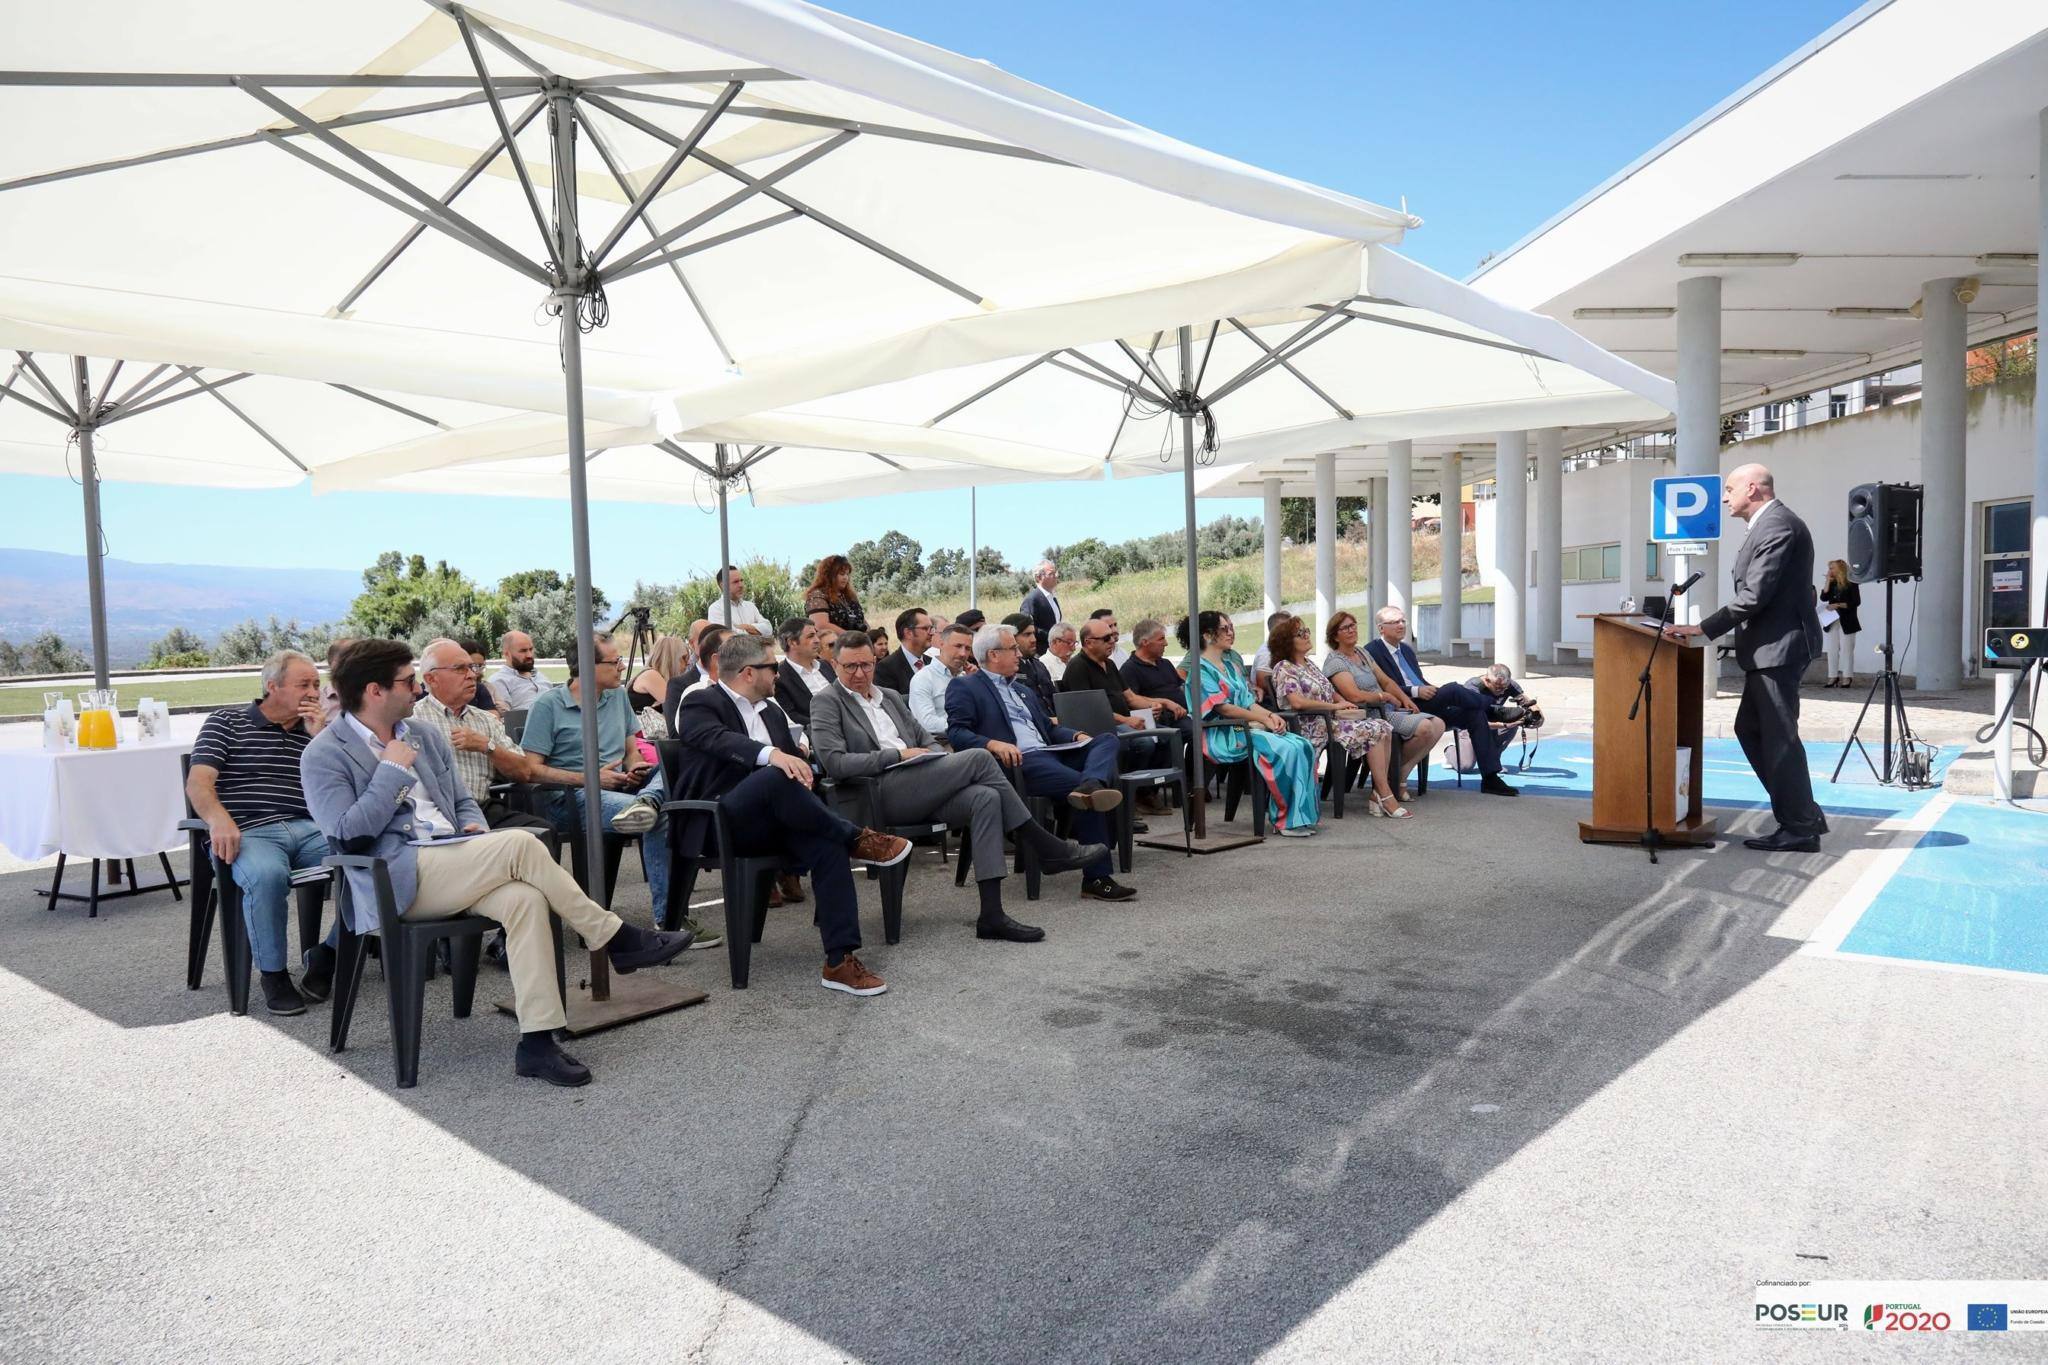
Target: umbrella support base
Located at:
point(629, 999)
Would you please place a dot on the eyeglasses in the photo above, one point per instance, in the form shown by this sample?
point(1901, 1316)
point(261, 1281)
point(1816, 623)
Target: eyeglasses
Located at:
point(856, 665)
point(613, 662)
point(474, 670)
point(410, 682)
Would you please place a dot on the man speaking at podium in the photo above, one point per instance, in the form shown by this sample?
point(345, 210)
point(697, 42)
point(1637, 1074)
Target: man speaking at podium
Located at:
point(1776, 635)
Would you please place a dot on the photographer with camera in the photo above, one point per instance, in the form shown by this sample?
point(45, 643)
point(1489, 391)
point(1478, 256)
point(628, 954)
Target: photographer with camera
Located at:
point(1506, 702)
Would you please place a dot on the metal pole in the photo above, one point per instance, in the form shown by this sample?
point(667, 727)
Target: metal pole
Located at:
point(95, 566)
point(1194, 680)
point(562, 124)
point(724, 536)
point(973, 551)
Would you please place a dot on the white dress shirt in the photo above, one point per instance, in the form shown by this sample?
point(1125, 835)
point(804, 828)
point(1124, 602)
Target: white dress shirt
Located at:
point(744, 613)
point(757, 729)
point(928, 698)
point(813, 676)
point(886, 733)
point(432, 823)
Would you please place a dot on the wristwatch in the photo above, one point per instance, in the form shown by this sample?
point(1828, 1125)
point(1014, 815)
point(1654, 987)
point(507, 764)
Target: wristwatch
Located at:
point(491, 746)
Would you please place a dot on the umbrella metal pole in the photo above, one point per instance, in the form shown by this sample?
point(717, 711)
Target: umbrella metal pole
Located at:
point(95, 565)
point(1187, 451)
point(562, 121)
point(718, 580)
point(973, 552)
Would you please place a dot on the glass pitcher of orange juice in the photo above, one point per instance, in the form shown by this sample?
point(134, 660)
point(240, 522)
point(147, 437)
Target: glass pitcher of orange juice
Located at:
point(96, 718)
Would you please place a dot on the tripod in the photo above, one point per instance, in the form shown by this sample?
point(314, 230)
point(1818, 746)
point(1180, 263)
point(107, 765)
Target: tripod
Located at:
point(1892, 770)
point(1645, 703)
point(639, 616)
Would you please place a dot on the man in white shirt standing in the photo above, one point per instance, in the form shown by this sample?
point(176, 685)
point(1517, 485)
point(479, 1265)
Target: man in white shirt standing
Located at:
point(928, 689)
point(736, 612)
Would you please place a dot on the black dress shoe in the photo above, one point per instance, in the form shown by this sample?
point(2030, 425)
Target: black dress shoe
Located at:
point(1075, 855)
point(1003, 927)
point(1493, 786)
point(549, 1063)
point(1107, 889)
point(645, 949)
point(1785, 842)
point(280, 996)
point(318, 982)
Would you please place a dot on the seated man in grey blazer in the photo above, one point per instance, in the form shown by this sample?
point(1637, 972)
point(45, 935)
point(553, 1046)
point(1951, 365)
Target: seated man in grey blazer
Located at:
point(377, 785)
point(860, 730)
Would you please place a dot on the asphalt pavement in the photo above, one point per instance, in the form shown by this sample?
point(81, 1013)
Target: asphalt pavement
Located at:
point(1455, 1088)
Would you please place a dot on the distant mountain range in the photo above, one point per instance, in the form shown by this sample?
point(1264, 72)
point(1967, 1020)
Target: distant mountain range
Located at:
point(43, 591)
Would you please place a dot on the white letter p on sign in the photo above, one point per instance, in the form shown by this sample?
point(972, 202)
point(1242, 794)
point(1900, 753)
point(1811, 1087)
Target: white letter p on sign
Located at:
point(1681, 501)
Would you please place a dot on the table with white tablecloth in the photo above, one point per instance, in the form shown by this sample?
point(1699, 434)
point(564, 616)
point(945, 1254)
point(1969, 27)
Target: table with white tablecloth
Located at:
point(102, 804)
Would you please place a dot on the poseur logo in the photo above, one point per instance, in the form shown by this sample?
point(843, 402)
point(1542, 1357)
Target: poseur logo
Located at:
point(1803, 1312)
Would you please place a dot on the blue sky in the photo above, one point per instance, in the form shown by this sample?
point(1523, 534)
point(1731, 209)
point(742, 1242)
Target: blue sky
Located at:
point(1489, 116)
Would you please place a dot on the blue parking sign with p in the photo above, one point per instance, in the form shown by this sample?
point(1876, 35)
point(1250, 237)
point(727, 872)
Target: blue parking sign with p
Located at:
point(1687, 507)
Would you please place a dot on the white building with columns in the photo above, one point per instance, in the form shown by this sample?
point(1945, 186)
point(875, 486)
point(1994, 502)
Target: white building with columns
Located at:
point(1810, 262)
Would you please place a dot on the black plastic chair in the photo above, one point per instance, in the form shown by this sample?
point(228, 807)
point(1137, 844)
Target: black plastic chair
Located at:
point(408, 955)
point(744, 882)
point(1090, 712)
point(214, 892)
point(1027, 864)
point(514, 723)
point(1239, 777)
point(864, 796)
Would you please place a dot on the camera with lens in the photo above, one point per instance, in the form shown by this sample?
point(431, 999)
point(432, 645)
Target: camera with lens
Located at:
point(1523, 713)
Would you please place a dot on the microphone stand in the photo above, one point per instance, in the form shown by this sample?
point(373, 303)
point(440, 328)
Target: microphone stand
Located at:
point(1651, 839)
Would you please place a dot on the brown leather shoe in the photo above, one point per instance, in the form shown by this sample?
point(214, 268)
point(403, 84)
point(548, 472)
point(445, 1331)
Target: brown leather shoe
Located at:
point(792, 888)
point(883, 850)
point(850, 976)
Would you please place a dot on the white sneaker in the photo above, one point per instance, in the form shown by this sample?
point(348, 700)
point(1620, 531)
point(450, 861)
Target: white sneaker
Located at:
point(637, 818)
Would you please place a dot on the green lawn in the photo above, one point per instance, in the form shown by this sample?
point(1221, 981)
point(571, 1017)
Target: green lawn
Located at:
point(28, 701)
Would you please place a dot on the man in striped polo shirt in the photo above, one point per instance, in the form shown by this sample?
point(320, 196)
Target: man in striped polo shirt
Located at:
point(245, 784)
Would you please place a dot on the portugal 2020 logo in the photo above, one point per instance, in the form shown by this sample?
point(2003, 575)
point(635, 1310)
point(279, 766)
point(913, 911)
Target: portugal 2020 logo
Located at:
point(1903, 1317)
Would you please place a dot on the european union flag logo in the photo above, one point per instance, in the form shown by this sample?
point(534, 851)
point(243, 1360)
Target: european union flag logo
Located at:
point(1987, 1317)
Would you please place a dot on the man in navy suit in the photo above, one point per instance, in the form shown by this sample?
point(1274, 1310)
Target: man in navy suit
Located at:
point(1040, 604)
point(737, 751)
point(380, 786)
point(1458, 706)
point(990, 709)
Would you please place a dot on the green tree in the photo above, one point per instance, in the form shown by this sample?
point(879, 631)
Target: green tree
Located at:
point(244, 643)
point(946, 564)
point(549, 616)
point(10, 659)
point(1298, 517)
point(400, 595)
point(47, 653)
point(892, 560)
point(527, 582)
point(179, 648)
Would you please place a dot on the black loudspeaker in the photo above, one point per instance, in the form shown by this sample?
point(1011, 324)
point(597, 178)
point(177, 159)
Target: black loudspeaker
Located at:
point(1884, 532)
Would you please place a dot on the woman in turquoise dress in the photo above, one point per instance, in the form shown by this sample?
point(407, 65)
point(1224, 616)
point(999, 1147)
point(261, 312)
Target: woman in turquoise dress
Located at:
point(1283, 760)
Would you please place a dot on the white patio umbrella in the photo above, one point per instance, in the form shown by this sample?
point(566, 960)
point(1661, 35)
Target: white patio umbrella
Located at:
point(1411, 354)
point(781, 201)
point(94, 420)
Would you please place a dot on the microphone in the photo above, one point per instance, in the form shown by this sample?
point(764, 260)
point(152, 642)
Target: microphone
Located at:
point(1684, 587)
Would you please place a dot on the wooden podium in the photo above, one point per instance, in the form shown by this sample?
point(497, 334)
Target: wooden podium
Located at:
point(1621, 646)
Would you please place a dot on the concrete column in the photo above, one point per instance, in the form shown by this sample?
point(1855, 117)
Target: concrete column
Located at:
point(2037, 611)
point(1511, 548)
point(1381, 530)
point(1699, 429)
point(1451, 582)
point(1943, 416)
point(1272, 490)
point(1400, 519)
point(1326, 539)
point(1549, 627)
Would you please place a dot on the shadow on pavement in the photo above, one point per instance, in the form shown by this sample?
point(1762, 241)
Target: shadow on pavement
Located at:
point(1172, 1131)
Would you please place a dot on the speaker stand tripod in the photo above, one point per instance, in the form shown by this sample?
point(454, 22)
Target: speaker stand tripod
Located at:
point(1890, 771)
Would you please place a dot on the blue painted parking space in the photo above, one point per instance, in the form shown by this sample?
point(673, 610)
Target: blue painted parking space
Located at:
point(1970, 892)
point(1564, 767)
